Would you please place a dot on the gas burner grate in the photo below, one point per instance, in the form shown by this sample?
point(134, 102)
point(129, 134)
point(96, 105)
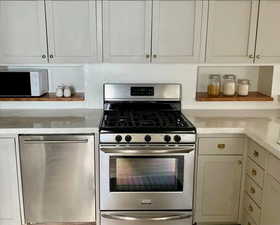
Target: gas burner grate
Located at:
point(144, 119)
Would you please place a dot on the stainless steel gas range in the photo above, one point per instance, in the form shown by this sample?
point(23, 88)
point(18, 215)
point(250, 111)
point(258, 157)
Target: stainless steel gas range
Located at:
point(147, 150)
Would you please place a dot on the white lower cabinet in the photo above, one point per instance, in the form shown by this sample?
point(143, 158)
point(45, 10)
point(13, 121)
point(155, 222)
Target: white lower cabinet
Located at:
point(9, 193)
point(271, 215)
point(218, 188)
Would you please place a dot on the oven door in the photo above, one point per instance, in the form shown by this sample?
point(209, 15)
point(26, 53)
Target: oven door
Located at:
point(146, 178)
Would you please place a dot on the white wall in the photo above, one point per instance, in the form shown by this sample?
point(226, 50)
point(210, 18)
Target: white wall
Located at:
point(90, 79)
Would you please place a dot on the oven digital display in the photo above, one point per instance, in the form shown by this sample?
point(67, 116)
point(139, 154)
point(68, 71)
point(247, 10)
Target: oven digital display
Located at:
point(142, 91)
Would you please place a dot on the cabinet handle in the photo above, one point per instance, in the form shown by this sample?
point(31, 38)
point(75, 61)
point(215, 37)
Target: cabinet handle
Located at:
point(250, 208)
point(254, 172)
point(147, 56)
point(51, 56)
point(252, 190)
point(44, 56)
point(258, 56)
point(256, 154)
point(154, 56)
point(221, 146)
point(251, 56)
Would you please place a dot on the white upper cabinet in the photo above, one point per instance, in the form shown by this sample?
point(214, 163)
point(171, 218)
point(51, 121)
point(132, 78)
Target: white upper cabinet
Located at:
point(127, 31)
point(9, 194)
point(22, 32)
point(267, 47)
point(232, 31)
point(72, 31)
point(218, 189)
point(176, 33)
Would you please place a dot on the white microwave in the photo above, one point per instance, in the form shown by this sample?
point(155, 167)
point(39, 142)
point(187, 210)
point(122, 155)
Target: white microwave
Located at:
point(23, 83)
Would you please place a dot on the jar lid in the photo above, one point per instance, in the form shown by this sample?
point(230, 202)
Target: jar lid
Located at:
point(215, 76)
point(229, 76)
point(243, 81)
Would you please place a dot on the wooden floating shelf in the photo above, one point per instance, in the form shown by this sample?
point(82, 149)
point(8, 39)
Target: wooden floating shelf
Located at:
point(47, 97)
point(253, 96)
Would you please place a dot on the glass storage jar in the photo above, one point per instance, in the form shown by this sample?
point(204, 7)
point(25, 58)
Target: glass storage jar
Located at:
point(214, 85)
point(243, 87)
point(229, 85)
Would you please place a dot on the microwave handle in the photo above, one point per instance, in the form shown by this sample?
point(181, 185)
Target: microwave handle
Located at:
point(187, 149)
point(136, 217)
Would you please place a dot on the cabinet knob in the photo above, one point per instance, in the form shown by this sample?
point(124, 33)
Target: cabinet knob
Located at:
point(239, 162)
point(258, 56)
point(251, 56)
point(147, 56)
point(252, 190)
point(51, 56)
point(221, 146)
point(154, 56)
point(256, 154)
point(249, 223)
point(44, 56)
point(254, 172)
point(250, 208)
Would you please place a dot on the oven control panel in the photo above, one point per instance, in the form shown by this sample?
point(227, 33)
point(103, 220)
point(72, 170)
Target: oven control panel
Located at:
point(147, 138)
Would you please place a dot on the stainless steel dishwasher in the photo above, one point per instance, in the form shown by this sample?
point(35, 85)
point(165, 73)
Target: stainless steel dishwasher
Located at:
point(58, 178)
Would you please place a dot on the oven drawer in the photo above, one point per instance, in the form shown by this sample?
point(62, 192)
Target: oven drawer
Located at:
point(146, 218)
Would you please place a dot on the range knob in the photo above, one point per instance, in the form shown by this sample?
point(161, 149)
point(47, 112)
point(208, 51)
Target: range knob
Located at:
point(177, 138)
point(148, 138)
point(118, 138)
point(128, 138)
point(167, 138)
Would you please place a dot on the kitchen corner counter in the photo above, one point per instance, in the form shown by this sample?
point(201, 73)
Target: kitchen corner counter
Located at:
point(262, 126)
point(49, 121)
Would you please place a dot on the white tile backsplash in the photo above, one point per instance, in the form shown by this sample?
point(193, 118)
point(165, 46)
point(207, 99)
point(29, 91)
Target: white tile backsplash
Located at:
point(90, 79)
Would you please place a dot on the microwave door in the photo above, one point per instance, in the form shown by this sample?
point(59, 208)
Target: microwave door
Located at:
point(15, 84)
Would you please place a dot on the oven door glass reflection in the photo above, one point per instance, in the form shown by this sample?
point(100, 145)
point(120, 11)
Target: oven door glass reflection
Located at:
point(146, 173)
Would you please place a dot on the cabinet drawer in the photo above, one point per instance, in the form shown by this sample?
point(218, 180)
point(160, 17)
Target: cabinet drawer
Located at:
point(252, 209)
point(255, 172)
point(274, 167)
point(221, 146)
point(247, 220)
point(257, 153)
point(254, 191)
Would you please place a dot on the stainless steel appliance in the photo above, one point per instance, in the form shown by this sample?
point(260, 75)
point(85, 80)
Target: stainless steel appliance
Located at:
point(23, 83)
point(147, 150)
point(58, 178)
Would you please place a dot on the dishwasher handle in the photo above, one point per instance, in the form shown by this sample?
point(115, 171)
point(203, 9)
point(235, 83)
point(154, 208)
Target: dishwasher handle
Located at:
point(55, 141)
point(130, 217)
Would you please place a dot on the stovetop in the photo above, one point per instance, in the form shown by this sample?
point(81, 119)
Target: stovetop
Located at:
point(140, 121)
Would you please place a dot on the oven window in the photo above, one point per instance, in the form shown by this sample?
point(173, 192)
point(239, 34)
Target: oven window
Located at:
point(139, 174)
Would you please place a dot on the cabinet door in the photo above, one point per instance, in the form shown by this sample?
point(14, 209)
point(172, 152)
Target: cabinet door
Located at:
point(22, 32)
point(271, 200)
point(218, 188)
point(177, 31)
point(268, 48)
point(127, 31)
point(9, 198)
point(72, 31)
point(231, 31)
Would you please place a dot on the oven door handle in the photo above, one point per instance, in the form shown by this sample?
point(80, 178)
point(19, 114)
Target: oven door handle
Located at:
point(186, 149)
point(136, 217)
